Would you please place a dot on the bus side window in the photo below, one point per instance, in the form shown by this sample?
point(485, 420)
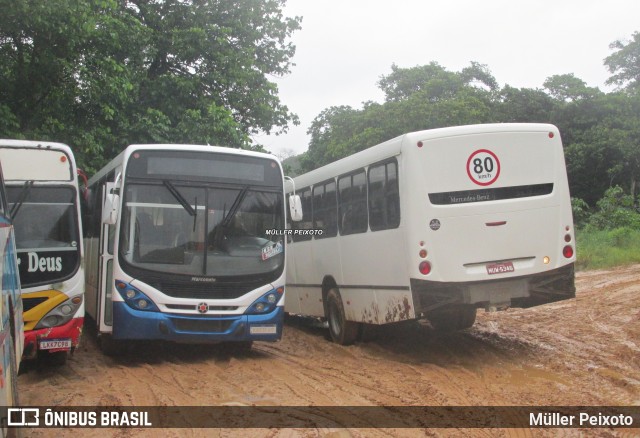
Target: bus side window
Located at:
point(392, 196)
point(325, 209)
point(85, 211)
point(307, 216)
point(384, 198)
point(96, 210)
point(352, 203)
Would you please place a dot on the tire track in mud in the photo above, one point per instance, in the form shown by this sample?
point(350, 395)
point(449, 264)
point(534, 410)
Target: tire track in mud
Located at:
point(319, 377)
point(577, 352)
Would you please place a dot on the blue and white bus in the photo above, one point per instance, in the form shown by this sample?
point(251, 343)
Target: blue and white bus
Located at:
point(11, 325)
point(178, 249)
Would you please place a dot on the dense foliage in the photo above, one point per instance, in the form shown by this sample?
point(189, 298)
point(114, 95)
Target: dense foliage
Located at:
point(601, 131)
point(101, 74)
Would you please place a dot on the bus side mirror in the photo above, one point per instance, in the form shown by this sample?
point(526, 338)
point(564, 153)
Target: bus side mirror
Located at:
point(295, 208)
point(111, 204)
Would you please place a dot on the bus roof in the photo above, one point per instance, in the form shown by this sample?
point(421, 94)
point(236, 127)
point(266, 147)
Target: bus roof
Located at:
point(35, 144)
point(166, 146)
point(41, 167)
point(394, 147)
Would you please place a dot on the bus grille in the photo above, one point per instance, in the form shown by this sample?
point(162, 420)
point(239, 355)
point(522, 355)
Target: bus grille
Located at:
point(201, 325)
point(205, 291)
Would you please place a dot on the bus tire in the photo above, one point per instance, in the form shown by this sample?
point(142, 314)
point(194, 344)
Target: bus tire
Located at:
point(342, 331)
point(451, 320)
point(467, 317)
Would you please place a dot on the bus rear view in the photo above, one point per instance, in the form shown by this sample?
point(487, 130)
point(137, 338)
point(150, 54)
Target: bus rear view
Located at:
point(490, 220)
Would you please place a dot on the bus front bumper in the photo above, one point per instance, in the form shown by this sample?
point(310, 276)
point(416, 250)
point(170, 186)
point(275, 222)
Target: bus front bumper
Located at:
point(54, 339)
point(134, 324)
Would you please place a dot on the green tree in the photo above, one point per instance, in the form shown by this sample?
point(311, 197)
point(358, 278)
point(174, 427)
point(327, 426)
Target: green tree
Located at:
point(624, 63)
point(601, 137)
point(524, 105)
point(615, 210)
point(417, 98)
point(433, 81)
point(100, 74)
point(568, 88)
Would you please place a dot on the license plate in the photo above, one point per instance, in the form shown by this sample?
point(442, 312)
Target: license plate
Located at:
point(500, 268)
point(53, 344)
point(263, 330)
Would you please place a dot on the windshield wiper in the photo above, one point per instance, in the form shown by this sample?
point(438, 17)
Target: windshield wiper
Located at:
point(26, 188)
point(218, 230)
point(235, 206)
point(176, 194)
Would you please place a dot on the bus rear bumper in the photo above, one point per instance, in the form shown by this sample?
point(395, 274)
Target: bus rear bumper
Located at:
point(54, 339)
point(526, 291)
point(134, 324)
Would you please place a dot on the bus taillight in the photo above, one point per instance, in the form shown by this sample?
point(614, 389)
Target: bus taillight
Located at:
point(425, 268)
point(567, 251)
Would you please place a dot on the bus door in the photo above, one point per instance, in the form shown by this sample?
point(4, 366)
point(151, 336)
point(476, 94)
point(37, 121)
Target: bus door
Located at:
point(105, 279)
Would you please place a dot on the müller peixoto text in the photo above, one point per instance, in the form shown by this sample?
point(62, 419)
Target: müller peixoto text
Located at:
point(582, 419)
point(274, 232)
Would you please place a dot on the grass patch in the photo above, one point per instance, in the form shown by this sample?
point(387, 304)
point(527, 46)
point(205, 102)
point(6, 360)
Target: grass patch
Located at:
point(602, 249)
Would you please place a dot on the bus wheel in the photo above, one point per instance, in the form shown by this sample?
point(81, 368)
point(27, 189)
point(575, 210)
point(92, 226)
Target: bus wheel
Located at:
point(343, 332)
point(452, 320)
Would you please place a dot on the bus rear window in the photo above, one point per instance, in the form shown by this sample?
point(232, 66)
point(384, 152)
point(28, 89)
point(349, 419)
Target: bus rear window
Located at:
point(484, 195)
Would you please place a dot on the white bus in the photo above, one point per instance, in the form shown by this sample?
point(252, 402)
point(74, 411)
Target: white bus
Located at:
point(42, 189)
point(177, 246)
point(434, 224)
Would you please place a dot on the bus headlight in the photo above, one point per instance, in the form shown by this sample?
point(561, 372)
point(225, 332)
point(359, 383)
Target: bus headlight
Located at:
point(134, 298)
point(61, 314)
point(267, 302)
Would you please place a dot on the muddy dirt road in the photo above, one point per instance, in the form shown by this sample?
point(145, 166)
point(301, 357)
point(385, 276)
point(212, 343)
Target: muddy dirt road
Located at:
point(579, 352)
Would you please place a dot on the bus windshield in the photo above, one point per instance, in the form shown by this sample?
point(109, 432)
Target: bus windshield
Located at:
point(201, 230)
point(46, 230)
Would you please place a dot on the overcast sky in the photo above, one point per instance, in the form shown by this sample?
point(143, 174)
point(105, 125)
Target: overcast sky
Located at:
point(344, 46)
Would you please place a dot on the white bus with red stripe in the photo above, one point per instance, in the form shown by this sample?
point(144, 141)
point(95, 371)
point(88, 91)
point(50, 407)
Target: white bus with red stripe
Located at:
point(434, 224)
point(42, 189)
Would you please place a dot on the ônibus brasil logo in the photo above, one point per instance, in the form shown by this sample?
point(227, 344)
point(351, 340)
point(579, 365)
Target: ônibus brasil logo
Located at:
point(483, 167)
